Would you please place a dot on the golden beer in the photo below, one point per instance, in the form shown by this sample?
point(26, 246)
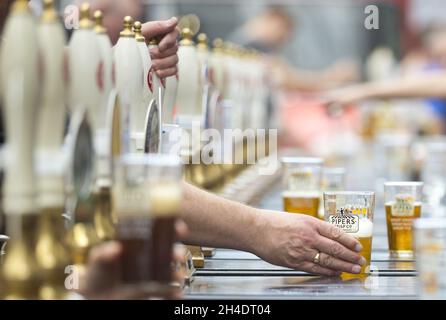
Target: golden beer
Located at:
point(364, 236)
point(366, 252)
point(402, 205)
point(302, 182)
point(399, 229)
point(301, 202)
point(353, 213)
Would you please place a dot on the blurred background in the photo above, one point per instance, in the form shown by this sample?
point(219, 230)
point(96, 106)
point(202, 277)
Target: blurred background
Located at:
point(315, 47)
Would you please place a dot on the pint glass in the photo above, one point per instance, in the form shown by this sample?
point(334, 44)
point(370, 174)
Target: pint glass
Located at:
point(146, 201)
point(353, 212)
point(430, 254)
point(302, 181)
point(433, 174)
point(403, 205)
point(333, 179)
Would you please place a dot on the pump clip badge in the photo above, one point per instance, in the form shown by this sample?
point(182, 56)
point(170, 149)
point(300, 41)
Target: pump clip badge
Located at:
point(403, 206)
point(301, 180)
point(346, 219)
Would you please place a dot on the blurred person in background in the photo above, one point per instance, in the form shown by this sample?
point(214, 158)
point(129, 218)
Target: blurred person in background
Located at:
point(268, 33)
point(164, 58)
point(423, 75)
point(114, 12)
point(301, 117)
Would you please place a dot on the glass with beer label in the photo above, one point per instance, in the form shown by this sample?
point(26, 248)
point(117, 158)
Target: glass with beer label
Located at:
point(352, 212)
point(403, 205)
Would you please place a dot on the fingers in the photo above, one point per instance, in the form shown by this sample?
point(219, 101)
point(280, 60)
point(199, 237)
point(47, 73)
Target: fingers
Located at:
point(313, 268)
point(167, 72)
point(153, 29)
point(336, 234)
point(330, 262)
point(105, 253)
point(103, 270)
point(164, 56)
point(169, 40)
point(155, 53)
point(337, 250)
point(165, 63)
point(181, 229)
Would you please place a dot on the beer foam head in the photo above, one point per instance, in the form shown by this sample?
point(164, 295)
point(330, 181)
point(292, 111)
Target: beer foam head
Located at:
point(365, 228)
point(131, 201)
point(160, 199)
point(165, 198)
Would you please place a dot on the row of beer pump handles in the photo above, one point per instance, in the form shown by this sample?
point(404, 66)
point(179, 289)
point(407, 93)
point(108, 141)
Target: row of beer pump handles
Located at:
point(117, 104)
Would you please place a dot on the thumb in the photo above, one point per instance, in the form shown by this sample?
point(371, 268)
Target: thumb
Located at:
point(153, 29)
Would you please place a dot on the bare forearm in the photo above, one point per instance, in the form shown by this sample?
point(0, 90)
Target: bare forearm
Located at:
point(425, 85)
point(217, 222)
point(307, 81)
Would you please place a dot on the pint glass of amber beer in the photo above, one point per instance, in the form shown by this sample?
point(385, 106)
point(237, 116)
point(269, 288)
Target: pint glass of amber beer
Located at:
point(353, 212)
point(146, 201)
point(302, 182)
point(403, 205)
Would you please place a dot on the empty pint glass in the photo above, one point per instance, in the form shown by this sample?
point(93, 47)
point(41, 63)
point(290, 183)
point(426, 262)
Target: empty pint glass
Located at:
point(430, 254)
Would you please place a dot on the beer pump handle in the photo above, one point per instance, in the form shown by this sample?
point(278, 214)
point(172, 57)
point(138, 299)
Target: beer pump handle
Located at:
point(170, 96)
point(205, 81)
point(129, 81)
point(51, 118)
point(103, 134)
point(189, 106)
point(158, 83)
point(86, 68)
point(218, 65)
point(19, 68)
point(51, 37)
point(147, 94)
point(98, 22)
point(159, 87)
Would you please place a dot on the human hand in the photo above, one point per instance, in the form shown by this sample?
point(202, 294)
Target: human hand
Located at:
point(101, 278)
point(343, 71)
point(293, 241)
point(164, 57)
point(337, 100)
point(344, 96)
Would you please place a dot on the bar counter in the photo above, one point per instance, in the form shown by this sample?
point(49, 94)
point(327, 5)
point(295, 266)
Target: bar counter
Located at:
point(231, 274)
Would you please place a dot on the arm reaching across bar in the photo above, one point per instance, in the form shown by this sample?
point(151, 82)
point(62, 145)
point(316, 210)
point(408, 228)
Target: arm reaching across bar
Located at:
point(428, 85)
point(289, 240)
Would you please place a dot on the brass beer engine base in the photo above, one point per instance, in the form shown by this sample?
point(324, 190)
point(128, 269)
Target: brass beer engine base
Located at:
point(197, 256)
point(189, 268)
point(208, 252)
